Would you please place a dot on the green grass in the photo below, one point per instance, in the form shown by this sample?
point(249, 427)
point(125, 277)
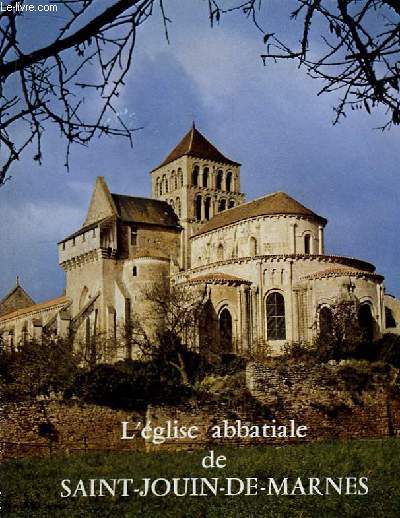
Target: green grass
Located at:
point(31, 488)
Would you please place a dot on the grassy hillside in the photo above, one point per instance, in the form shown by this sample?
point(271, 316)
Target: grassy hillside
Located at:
point(31, 488)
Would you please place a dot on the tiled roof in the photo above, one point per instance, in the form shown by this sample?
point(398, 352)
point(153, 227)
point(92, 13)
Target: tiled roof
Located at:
point(343, 272)
point(15, 299)
point(195, 144)
point(145, 210)
point(218, 278)
point(278, 203)
point(36, 307)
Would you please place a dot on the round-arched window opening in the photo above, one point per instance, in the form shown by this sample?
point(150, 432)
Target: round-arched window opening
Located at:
point(325, 321)
point(205, 176)
point(225, 330)
point(253, 249)
point(307, 244)
point(198, 203)
point(134, 271)
point(222, 205)
point(220, 176)
point(366, 322)
point(229, 181)
point(195, 175)
point(276, 323)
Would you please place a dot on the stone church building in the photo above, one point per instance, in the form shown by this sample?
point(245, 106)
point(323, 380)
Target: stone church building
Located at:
point(262, 264)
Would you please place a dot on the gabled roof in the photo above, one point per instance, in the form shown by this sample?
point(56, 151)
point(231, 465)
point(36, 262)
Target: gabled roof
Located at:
point(196, 145)
point(48, 304)
point(101, 203)
point(133, 209)
point(278, 203)
point(106, 206)
point(16, 298)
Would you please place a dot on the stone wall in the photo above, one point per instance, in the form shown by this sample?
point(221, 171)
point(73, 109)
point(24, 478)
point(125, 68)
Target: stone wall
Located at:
point(320, 398)
point(317, 397)
point(45, 427)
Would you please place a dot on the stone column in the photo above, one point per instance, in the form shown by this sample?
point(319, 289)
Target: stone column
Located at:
point(320, 240)
point(203, 209)
point(244, 310)
point(254, 317)
point(293, 237)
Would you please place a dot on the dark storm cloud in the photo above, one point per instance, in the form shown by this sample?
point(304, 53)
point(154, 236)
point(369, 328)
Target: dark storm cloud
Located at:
point(269, 119)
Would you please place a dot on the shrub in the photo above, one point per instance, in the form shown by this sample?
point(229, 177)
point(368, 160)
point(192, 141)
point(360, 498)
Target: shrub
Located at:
point(37, 368)
point(131, 385)
point(388, 349)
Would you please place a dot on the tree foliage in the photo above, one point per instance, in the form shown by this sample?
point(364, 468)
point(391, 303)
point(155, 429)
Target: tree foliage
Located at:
point(352, 46)
point(37, 368)
point(341, 337)
point(170, 330)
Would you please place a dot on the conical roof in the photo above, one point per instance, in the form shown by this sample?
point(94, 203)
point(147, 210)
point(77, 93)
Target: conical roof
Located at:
point(195, 144)
point(272, 204)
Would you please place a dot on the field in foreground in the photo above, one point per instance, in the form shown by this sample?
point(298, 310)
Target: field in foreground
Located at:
point(31, 488)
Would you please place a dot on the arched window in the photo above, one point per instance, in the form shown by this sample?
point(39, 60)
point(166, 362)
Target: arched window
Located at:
point(253, 246)
point(198, 202)
point(307, 244)
point(205, 176)
point(195, 175)
point(158, 187)
point(276, 325)
point(178, 207)
point(174, 180)
point(207, 206)
point(229, 181)
point(222, 205)
point(220, 176)
point(325, 321)
point(180, 177)
point(366, 322)
point(389, 318)
point(171, 202)
point(166, 185)
point(231, 204)
point(220, 252)
point(134, 271)
point(225, 330)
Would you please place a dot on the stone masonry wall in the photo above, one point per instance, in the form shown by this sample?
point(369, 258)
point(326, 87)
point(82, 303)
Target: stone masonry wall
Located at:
point(70, 428)
point(319, 398)
point(316, 397)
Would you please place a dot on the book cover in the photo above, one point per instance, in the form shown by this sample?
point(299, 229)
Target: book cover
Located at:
point(199, 290)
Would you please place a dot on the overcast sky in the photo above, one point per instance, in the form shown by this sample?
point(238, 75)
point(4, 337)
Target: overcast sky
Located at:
point(269, 119)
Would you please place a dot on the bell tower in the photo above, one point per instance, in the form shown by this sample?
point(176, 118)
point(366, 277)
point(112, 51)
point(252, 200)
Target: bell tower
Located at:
point(198, 181)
